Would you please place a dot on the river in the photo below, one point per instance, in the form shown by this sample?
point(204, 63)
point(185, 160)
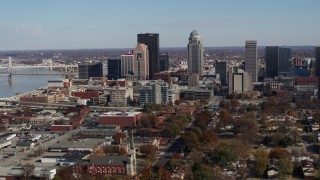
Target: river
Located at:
point(23, 83)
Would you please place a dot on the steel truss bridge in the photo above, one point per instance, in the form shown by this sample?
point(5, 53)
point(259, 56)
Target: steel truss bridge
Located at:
point(45, 68)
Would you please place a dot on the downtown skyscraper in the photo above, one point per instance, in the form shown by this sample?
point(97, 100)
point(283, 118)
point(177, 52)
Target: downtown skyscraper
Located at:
point(152, 41)
point(195, 54)
point(127, 64)
point(251, 60)
point(90, 69)
point(277, 60)
point(141, 62)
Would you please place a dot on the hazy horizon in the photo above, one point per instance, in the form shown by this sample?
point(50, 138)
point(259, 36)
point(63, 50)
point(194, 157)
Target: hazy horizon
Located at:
point(87, 24)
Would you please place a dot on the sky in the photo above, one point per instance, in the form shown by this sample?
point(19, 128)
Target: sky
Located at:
point(90, 24)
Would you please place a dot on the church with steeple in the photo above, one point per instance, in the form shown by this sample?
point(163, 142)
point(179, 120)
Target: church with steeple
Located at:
point(112, 164)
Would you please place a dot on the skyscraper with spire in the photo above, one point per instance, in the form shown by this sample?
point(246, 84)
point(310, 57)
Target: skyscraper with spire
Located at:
point(195, 54)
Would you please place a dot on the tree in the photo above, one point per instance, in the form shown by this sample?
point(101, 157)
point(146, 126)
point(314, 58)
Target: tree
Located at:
point(149, 150)
point(261, 157)
point(172, 164)
point(201, 171)
point(295, 133)
point(65, 173)
point(278, 153)
point(149, 120)
point(197, 131)
point(241, 149)
point(163, 174)
point(272, 101)
point(223, 155)
point(208, 137)
point(224, 116)
point(171, 131)
point(285, 166)
point(177, 102)
point(247, 126)
point(28, 170)
point(118, 137)
point(234, 103)
point(191, 140)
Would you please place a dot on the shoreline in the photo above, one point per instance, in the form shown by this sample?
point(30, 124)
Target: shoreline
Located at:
point(32, 92)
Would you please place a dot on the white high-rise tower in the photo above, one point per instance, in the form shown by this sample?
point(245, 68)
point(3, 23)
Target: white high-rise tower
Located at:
point(195, 54)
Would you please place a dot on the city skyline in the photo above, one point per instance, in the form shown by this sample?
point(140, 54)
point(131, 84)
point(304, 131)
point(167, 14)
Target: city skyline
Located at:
point(85, 24)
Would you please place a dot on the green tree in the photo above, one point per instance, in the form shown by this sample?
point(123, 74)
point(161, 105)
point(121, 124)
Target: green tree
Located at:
point(172, 131)
point(191, 140)
point(223, 154)
point(261, 157)
point(201, 171)
point(285, 167)
point(197, 131)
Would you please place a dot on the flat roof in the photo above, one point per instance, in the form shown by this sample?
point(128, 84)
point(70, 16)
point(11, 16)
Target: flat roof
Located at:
point(118, 113)
point(80, 143)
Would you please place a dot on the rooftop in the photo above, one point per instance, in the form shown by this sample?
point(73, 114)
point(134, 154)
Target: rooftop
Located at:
point(118, 113)
point(110, 160)
point(81, 143)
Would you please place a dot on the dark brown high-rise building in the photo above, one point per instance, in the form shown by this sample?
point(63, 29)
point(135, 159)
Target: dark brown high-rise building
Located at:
point(152, 41)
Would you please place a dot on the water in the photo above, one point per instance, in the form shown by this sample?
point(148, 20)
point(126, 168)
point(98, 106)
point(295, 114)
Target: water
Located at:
point(23, 83)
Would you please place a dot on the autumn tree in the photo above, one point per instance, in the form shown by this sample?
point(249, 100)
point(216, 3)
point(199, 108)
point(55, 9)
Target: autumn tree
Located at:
point(261, 157)
point(177, 102)
point(234, 103)
point(65, 173)
point(149, 120)
point(208, 137)
point(163, 174)
point(225, 117)
point(272, 101)
point(278, 153)
point(149, 150)
point(119, 137)
point(241, 149)
point(247, 126)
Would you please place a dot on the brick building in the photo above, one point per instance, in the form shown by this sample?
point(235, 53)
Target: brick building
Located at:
point(165, 76)
point(85, 94)
point(306, 80)
point(123, 119)
point(66, 127)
